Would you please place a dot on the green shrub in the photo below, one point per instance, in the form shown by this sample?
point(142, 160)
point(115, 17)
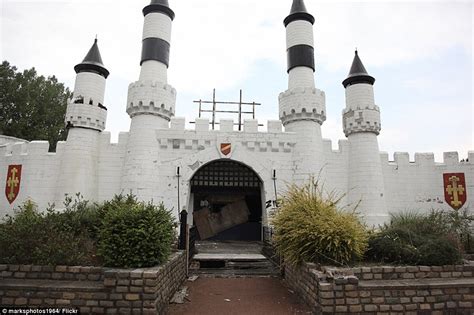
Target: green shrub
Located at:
point(395, 245)
point(49, 238)
point(18, 235)
point(421, 239)
point(135, 234)
point(438, 251)
point(311, 228)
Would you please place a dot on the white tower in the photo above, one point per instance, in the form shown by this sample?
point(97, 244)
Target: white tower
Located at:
point(150, 103)
point(85, 119)
point(361, 123)
point(302, 106)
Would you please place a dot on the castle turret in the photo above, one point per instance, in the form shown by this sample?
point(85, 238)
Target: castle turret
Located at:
point(150, 103)
point(361, 122)
point(85, 119)
point(302, 106)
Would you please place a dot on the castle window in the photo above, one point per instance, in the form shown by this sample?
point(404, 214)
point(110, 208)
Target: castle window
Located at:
point(79, 100)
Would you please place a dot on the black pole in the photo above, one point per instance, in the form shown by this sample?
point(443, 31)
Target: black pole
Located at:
point(183, 219)
point(177, 175)
point(275, 188)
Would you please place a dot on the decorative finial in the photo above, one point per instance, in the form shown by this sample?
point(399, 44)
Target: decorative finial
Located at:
point(95, 38)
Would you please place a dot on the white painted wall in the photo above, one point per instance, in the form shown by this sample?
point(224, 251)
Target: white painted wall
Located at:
point(408, 185)
point(79, 165)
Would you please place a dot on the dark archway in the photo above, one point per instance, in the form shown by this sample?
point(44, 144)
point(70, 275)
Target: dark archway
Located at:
point(227, 202)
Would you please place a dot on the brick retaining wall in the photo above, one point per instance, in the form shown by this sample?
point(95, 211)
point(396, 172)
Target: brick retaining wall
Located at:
point(94, 290)
point(384, 290)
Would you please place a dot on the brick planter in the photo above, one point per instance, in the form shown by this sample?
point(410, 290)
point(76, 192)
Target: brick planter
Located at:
point(380, 290)
point(93, 290)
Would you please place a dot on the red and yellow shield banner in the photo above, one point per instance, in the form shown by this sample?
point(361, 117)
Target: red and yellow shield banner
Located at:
point(455, 189)
point(226, 148)
point(12, 187)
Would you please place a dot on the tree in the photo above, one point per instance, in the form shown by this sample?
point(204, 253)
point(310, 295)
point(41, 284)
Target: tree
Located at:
point(32, 107)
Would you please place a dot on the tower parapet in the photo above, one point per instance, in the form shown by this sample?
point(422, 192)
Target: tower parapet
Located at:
point(304, 103)
point(151, 97)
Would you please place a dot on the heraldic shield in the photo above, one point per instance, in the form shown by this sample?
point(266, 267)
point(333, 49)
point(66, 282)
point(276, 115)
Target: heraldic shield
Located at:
point(455, 189)
point(226, 148)
point(12, 187)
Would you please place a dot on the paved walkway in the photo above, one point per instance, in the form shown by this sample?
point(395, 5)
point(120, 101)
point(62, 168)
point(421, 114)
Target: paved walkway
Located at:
point(236, 296)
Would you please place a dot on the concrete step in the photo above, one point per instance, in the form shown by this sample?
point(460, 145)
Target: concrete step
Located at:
point(230, 273)
point(232, 265)
point(228, 257)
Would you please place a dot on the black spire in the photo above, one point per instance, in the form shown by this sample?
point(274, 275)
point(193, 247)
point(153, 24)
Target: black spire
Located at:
point(93, 62)
point(358, 74)
point(161, 6)
point(298, 12)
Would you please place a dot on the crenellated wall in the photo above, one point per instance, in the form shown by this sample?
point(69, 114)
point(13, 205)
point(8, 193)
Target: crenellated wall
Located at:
point(416, 185)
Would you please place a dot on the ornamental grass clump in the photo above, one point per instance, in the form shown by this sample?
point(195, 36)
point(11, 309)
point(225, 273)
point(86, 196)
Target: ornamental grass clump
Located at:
point(416, 238)
point(312, 228)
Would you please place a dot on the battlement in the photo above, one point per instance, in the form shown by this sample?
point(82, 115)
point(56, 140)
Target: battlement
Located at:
point(361, 119)
point(151, 97)
point(105, 140)
point(92, 116)
point(426, 159)
point(342, 146)
point(30, 149)
point(201, 137)
point(226, 125)
point(302, 104)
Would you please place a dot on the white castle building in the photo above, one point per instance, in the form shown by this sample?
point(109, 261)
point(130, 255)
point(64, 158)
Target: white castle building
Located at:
point(159, 160)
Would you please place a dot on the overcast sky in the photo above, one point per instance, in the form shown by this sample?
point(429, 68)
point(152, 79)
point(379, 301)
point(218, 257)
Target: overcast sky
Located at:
point(420, 53)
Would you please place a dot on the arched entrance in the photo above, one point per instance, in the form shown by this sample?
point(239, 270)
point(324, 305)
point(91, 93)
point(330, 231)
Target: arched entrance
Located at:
point(227, 201)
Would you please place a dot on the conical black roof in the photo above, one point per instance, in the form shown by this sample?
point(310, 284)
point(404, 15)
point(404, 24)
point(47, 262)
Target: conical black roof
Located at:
point(93, 62)
point(298, 12)
point(358, 74)
point(161, 6)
